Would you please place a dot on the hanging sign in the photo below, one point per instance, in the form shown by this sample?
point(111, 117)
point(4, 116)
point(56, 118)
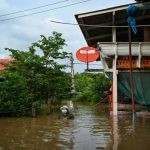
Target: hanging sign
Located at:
point(87, 54)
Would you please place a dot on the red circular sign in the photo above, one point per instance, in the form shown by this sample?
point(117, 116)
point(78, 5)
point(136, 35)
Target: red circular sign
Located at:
point(87, 54)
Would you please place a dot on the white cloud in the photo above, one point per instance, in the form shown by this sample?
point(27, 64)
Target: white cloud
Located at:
point(20, 33)
point(4, 6)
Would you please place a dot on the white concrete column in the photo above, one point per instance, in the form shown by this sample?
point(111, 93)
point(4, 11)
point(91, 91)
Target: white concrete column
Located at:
point(115, 72)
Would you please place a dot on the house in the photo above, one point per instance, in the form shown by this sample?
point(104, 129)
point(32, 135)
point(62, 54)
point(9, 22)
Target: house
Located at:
point(108, 30)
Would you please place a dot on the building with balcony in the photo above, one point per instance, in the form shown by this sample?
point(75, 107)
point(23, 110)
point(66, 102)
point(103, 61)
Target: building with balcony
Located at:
point(107, 29)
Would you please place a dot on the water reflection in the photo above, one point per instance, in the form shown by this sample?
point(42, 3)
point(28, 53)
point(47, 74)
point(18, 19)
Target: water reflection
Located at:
point(94, 131)
point(91, 129)
point(135, 135)
point(115, 134)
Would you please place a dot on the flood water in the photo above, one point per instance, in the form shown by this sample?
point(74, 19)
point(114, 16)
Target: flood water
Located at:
point(92, 129)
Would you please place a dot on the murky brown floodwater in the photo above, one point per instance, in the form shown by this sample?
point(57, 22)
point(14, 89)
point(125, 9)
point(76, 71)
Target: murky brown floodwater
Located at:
point(90, 130)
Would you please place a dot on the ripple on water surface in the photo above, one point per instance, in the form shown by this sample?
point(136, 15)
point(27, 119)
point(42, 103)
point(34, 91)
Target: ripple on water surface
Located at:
point(90, 130)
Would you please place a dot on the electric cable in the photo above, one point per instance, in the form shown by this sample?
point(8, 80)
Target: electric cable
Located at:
point(34, 8)
point(16, 12)
point(39, 12)
point(85, 64)
point(92, 25)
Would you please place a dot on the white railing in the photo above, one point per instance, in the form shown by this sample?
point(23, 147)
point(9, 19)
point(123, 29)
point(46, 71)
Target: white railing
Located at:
point(122, 48)
point(113, 50)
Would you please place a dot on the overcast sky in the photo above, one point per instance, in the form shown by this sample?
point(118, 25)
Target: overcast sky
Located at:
point(20, 33)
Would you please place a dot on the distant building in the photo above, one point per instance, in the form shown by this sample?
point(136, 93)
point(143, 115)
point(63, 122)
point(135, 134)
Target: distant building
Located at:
point(3, 62)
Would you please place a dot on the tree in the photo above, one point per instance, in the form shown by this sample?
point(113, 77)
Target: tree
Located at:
point(90, 87)
point(34, 78)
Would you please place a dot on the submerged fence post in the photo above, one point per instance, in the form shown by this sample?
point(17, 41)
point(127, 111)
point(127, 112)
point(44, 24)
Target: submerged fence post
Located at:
point(33, 110)
point(49, 103)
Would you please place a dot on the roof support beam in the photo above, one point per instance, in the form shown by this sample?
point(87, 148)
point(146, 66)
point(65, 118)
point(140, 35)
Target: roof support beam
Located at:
point(105, 36)
point(116, 22)
point(84, 29)
point(113, 28)
point(102, 11)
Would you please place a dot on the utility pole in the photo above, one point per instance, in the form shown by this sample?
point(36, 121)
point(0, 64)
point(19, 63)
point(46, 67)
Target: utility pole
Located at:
point(87, 60)
point(72, 72)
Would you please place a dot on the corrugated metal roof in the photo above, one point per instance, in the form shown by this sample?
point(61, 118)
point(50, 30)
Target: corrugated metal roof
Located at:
point(109, 17)
point(111, 9)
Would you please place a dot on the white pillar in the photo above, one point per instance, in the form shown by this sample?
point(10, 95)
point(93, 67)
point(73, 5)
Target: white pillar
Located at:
point(114, 88)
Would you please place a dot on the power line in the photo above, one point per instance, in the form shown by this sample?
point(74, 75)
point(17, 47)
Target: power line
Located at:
point(81, 64)
point(45, 10)
point(94, 25)
point(16, 12)
point(85, 64)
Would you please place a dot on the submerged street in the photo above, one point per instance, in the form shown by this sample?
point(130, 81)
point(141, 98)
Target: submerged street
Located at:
point(91, 129)
point(62, 63)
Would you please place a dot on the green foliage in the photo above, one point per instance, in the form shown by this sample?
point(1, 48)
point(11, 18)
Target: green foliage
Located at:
point(90, 87)
point(34, 78)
